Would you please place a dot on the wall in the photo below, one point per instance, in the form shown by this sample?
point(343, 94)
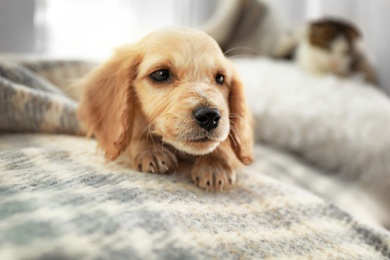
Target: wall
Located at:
point(17, 25)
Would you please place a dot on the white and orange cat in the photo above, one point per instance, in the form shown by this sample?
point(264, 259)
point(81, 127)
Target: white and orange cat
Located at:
point(331, 46)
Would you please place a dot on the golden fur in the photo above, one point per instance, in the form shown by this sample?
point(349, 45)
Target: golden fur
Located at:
point(153, 122)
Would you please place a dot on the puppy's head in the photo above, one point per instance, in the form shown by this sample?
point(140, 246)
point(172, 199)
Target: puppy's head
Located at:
point(180, 81)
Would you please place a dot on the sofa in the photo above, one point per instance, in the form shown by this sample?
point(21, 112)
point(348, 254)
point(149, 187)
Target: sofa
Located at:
point(304, 197)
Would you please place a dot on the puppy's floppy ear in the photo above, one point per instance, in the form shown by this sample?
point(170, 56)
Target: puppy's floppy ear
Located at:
point(241, 122)
point(107, 106)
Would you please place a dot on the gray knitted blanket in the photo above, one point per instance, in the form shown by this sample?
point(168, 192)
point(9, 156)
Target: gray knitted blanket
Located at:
point(59, 199)
point(34, 98)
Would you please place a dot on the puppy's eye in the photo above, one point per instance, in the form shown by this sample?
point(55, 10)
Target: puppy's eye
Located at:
point(219, 79)
point(160, 75)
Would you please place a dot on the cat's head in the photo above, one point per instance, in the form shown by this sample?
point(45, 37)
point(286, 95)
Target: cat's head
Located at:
point(334, 42)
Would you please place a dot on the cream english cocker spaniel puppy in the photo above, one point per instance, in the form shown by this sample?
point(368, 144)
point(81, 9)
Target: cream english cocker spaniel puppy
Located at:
point(170, 97)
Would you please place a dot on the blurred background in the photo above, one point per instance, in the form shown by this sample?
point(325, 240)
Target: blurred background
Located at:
point(92, 28)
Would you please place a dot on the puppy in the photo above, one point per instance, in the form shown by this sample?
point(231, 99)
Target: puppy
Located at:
point(169, 97)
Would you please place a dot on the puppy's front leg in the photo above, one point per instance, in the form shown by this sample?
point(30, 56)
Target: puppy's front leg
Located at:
point(215, 171)
point(147, 152)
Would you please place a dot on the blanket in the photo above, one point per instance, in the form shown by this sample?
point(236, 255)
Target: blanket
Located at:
point(34, 97)
point(340, 125)
point(59, 199)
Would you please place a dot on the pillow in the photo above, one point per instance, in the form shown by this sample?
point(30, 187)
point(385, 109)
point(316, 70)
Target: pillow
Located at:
point(339, 124)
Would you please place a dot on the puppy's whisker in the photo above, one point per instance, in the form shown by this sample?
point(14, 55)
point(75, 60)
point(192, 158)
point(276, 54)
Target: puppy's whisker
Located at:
point(254, 52)
point(238, 135)
point(162, 143)
point(236, 132)
point(242, 119)
point(143, 131)
point(151, 137)
point(232, 138)
point(241, 56)
point(232, 115)
point(148, 127)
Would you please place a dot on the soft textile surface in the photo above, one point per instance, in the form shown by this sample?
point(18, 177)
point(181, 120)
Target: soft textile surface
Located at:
point(34, 98)
point(60, 200)
point(341, 125)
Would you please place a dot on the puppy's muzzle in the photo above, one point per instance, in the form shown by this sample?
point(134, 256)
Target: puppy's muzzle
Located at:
point(207, 118)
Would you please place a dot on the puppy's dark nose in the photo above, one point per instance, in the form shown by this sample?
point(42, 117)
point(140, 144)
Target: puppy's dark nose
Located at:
point(208, 118)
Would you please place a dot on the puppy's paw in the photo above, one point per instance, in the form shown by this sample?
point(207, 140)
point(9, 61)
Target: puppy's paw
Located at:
point(213, 175)
point(156, 161)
